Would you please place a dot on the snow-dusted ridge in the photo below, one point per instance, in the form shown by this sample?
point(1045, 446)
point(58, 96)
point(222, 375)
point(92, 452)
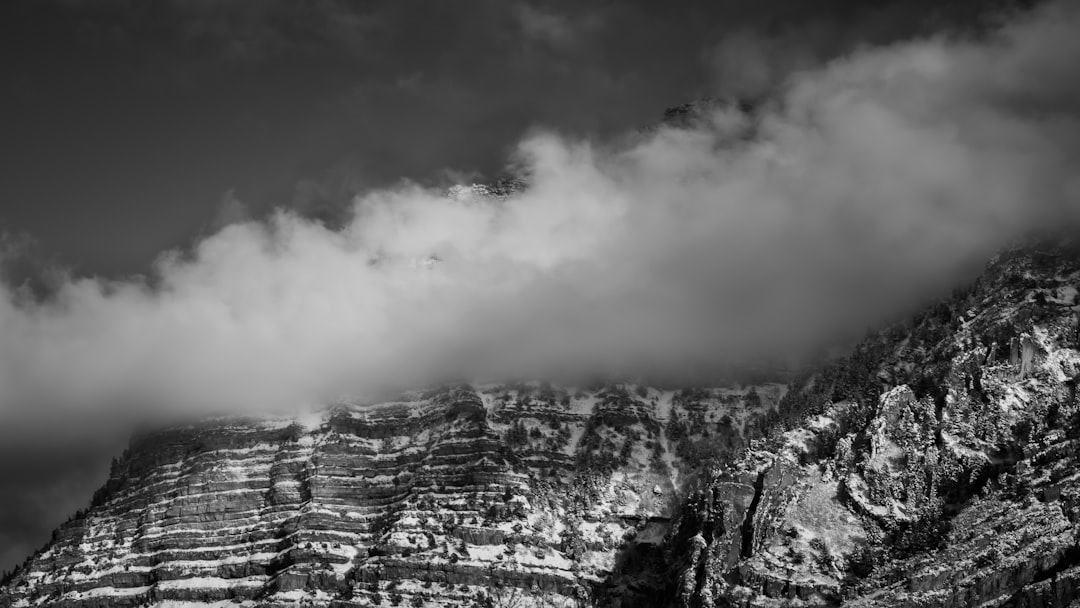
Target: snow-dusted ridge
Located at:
point(437, 494)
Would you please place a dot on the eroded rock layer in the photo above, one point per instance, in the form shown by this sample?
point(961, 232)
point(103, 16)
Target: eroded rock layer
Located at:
point(456, 496)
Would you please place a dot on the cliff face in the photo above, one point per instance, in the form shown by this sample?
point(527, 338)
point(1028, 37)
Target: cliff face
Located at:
point(462, 496)
point(937, 466)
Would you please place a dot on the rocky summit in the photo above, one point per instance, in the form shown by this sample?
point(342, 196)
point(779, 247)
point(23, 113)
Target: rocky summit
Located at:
point(936, 465)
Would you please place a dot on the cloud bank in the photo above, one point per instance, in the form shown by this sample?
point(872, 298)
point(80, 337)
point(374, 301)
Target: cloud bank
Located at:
point(859, 189)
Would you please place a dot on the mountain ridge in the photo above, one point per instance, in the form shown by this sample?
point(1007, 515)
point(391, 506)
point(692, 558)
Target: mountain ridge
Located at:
point(872, 482)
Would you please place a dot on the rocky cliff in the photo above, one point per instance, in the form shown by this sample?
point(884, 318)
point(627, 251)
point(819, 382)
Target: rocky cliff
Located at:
point(936, 466)
point(460, 496)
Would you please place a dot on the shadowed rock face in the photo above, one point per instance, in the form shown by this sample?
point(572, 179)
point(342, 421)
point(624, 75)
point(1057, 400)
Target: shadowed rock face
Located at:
point(937, 466)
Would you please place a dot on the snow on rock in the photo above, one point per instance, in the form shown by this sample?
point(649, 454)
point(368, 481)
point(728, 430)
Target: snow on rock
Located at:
point(528, 486)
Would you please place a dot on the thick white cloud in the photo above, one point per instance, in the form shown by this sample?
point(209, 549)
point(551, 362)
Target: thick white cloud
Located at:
point(867, 185)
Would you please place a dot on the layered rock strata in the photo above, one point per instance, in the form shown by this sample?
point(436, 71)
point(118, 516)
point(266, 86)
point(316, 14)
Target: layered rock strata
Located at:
point(456, 496)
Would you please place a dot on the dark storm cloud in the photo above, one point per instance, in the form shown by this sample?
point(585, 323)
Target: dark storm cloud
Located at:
point(556, 29)
point(131, 119)
point(243, 32)
point(757, 53)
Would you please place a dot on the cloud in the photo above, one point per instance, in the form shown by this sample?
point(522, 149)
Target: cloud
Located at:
point(860, 189)
point(557, 30)
point(756, 54)
point(240, 33)
point(232, 211)
point(747, 64)
point(254, 32)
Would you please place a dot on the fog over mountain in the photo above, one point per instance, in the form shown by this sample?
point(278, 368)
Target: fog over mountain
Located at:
point(826, 191)
point(864, 186)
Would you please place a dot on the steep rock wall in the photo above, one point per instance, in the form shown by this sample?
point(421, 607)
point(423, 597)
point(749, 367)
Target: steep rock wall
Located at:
point(937, 466)
point(456, 496)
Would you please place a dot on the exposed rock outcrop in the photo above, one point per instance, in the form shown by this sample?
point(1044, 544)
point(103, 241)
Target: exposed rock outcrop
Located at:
point(928, 469)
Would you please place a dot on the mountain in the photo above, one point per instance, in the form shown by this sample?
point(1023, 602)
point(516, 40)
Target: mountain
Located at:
point(937, 465)
point(463, 493)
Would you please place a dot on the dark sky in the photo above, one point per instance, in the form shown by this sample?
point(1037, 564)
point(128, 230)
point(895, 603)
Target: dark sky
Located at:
point(127, 125)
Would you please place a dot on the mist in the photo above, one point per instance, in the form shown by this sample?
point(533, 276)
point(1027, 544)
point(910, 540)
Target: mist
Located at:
point(854, 191)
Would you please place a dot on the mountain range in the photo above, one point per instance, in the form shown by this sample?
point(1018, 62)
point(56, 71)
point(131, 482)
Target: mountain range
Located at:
point(935, 465)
